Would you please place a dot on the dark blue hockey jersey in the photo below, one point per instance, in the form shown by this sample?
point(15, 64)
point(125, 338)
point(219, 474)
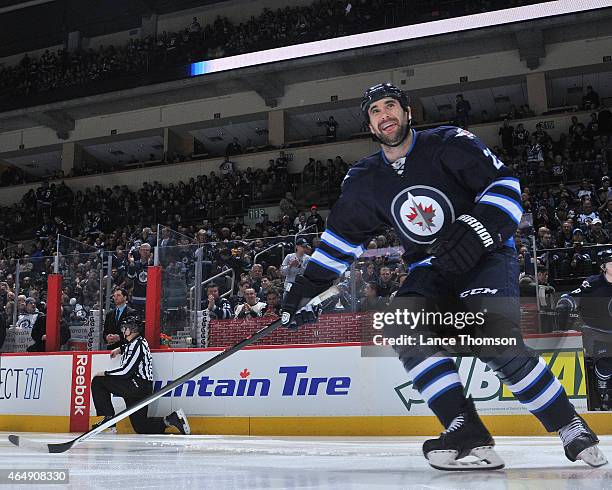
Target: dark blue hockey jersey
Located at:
point(447, 172)
point(593, 300)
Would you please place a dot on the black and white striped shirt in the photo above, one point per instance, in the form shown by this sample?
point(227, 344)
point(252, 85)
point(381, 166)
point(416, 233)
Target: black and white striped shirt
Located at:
point(136, 361)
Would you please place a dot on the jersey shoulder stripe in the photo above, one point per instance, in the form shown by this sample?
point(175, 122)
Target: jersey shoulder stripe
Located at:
point(340, 244)
point(510, 183)
point(328, 262)
point(507, 205)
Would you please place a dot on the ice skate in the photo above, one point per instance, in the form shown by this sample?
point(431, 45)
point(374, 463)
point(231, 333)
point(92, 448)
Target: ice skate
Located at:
point(179, 420)
point(466, 436)
point(580, 442)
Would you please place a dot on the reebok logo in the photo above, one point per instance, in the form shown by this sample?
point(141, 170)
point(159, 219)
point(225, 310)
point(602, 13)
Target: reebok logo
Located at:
point(80, 386)
point(479, 228)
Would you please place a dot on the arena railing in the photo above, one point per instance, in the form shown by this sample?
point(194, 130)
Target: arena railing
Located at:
point(187, 269)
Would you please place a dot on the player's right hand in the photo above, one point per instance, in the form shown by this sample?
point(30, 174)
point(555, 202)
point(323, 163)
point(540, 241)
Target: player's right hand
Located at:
point(296, 310)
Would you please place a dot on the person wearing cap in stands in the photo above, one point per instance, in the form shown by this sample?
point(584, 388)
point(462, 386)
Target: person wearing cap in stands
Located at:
point(295, 263)
point(596, 233)
point(315, 218)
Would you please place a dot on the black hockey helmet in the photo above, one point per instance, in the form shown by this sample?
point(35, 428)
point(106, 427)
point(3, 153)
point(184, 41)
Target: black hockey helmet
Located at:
point(605, 256)
point(380, 91)
point(134, 323)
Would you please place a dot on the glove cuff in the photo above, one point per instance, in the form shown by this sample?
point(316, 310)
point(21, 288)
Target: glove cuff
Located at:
point(487, 241)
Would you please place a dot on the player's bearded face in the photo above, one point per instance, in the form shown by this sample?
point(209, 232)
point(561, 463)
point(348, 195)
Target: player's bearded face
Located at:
point(390, 124)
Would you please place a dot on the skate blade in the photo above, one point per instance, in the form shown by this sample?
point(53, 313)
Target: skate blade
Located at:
point(593, 456)
point(486, 459)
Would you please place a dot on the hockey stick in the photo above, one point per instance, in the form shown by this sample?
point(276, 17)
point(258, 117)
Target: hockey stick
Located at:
point(65, 446)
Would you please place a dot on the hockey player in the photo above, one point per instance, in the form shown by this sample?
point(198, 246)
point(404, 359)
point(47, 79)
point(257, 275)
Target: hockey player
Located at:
point(455, 207)
point(593, 301)
point(133, 381)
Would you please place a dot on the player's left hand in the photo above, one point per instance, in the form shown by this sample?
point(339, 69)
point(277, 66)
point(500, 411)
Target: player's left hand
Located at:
point(462, 245)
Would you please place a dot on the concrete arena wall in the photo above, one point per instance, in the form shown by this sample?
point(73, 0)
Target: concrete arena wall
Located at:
point(444, 73)
point(318, 389)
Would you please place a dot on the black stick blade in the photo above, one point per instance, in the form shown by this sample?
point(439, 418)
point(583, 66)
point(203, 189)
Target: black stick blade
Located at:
point(41, 447)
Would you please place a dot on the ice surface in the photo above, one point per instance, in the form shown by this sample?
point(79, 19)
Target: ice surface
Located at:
point(238, 462)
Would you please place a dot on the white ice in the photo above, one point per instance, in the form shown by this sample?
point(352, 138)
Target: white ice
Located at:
point(236, 462)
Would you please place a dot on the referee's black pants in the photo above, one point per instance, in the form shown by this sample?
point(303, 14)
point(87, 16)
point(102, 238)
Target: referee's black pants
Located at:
point(132, 390)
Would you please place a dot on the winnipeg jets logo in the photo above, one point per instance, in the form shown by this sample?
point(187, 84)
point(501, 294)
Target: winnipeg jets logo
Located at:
point(142, 277)
point(464, 132)
point(80, 312)
point(422, 216)
point(24, 323)
point(420, 212)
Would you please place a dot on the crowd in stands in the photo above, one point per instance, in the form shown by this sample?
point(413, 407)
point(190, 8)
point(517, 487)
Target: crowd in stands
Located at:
point(55, 208)
point(122, 221)
point(565, 185)
point(566, 189)
point(220, 37)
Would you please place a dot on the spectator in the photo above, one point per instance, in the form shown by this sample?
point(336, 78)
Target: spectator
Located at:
point(331, 129)
point(112, 322)
point(218, 308)
point(273, 306)
point(590, 100)
point(587, 215)
point(604, 193)
point(39, 329)
point(3, 326)
point(256, 276)
point(372, 299)
point(596, 234)
point(575, 126)
point(195, 26)
point(462, 111)
point(535, 151)
point(233, 148)
point(137, 272)
point(227, 167)
point(315, 219)
point(580, 265)
point(240, 296)
point(309, 172)
point(288, 208)
point(386, 283)
point(252, 307)
point(565, 237)
point(585, 190)
point(370, 274)
point(266, 285)
point(295, 263)
point(506, 133)
point(520, 138)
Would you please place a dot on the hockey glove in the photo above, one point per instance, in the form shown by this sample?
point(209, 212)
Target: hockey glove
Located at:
point(562, 312)
point(296, 312)
point(460, 247)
